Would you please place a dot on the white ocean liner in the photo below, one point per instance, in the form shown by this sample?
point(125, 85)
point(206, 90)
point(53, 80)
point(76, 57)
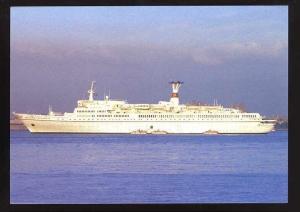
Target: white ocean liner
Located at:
point(116, 116)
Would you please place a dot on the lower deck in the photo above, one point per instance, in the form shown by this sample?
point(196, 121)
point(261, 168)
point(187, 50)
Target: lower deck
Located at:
point(149, 127)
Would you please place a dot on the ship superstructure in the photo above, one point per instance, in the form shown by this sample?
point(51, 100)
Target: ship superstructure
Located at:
point(166, 117)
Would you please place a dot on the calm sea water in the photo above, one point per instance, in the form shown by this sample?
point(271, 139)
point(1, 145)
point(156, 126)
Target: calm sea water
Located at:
point(67, 168)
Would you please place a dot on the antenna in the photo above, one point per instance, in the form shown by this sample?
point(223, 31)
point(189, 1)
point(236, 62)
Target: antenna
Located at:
point(50, 110)
point(104, 93)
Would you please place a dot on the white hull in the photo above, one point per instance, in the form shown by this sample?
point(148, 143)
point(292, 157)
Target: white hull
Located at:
point(130, 127)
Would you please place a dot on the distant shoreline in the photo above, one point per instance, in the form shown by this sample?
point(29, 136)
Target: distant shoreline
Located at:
point(16, 125)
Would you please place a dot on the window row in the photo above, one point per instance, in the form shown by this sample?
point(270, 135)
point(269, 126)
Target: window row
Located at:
point(188, 116)
point(91, 111)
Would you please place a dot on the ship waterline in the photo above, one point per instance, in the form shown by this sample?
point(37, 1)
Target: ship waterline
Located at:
point(166, 117)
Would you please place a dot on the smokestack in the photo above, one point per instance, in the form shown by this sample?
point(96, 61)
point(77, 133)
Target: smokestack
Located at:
point(175, 89)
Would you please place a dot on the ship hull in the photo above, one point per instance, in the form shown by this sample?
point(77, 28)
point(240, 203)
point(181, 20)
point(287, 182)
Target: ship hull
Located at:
point(148, 127)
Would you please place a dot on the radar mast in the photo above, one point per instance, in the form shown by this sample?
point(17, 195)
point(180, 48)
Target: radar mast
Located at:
point(91, 92)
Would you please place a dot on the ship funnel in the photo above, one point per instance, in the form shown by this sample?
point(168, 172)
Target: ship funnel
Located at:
point(175, 89)
point(91, 91)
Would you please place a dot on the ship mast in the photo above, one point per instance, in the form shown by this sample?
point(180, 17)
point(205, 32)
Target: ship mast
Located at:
point(91, 92)
point(175, 89)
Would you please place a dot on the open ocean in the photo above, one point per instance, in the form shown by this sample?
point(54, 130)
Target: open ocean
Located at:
point(100, 169)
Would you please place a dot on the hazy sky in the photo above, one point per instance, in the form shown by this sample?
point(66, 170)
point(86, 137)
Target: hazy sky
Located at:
point(236, 54)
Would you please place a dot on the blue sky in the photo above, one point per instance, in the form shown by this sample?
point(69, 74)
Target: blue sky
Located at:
point(236, 54)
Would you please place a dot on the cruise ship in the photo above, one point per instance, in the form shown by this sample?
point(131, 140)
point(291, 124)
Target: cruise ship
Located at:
point(166, 117)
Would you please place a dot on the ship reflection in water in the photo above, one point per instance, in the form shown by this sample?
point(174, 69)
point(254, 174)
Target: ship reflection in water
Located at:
point(101, 168)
